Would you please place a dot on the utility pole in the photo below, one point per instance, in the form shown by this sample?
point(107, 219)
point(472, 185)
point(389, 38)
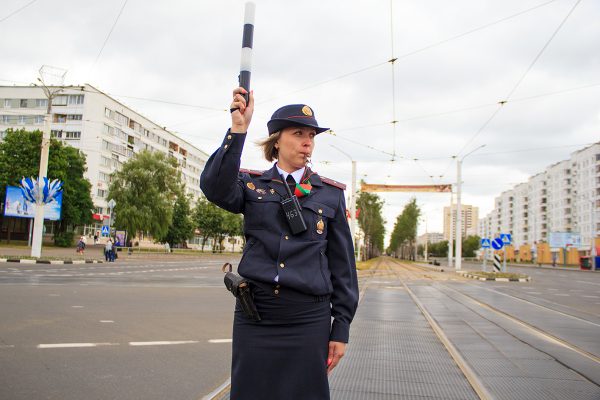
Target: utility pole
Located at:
point(352, 197)
point(459, 208)
point(450, 244)
point(58, 75)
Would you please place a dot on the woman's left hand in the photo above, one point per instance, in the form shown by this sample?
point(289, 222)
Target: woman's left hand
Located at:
point(336, 352)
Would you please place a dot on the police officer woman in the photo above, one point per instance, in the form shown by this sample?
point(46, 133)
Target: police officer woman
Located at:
point(301, 279)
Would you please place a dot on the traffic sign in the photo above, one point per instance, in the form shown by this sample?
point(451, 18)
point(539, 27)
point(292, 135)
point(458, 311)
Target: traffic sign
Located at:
point(497, 244)
point(506, 238)
point(485, 243)
point(105, 230)
point(497, 267)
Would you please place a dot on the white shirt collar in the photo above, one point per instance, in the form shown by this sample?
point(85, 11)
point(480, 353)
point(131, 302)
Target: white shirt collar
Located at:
point(297, 175)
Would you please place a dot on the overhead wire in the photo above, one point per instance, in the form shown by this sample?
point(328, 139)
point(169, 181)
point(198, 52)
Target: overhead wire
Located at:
point(529, 68)
point(17, 11)
point(108, 36)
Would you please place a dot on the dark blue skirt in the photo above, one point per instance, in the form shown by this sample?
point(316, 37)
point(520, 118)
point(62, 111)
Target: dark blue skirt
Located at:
point(283, 356)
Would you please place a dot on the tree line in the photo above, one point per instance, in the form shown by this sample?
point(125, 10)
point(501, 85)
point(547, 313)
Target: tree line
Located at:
point(148, 190)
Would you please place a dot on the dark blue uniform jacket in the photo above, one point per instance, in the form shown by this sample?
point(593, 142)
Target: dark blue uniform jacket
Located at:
point(317, 261)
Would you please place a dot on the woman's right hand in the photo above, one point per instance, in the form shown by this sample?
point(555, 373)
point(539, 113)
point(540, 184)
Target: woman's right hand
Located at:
point(242, 112)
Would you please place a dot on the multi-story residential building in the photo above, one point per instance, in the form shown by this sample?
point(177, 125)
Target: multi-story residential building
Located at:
point(563, 198)
point(470, 217)
point(430, 237)
point(105, 130)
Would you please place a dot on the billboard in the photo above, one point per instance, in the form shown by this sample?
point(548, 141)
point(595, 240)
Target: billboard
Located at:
point(16, 206)
point(564, 239)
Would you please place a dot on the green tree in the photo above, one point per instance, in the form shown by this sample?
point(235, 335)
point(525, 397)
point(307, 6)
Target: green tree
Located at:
point(405, 231)
point(439, 249)
point(181, 227)
point(371, 222)
point(20, 157)
point(469, 245)
point(207, 218)
point(145, 190)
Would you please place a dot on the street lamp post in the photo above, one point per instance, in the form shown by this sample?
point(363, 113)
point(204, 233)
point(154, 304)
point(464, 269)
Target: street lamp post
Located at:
point(450, 244)
point(352, 195)
point(459, 161)
point(38, 223)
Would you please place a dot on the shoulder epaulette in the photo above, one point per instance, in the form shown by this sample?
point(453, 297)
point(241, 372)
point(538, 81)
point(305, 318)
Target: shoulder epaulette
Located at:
point(251, 171)
point(331, 182)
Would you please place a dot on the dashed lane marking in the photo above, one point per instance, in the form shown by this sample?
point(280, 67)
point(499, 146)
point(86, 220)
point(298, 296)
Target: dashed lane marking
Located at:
point(72, 345)
point(220, 341)
point(107, 321)
point(162, 343)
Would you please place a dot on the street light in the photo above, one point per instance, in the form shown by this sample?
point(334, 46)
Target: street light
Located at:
point(459, 161)
point(352, 194)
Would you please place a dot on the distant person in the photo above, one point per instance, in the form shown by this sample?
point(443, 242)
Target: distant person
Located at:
point(109, 251)
point(81, 245)
point(95, 238)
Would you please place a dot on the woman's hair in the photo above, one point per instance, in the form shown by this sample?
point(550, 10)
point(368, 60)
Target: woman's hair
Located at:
point(268, 146)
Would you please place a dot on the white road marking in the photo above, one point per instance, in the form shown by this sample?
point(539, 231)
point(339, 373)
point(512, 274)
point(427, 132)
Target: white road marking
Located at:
point(533, 292)
point(6, 346)
point(53, 295)
point(220, 341)
point(162, 343)
point(591, 297)
point(76, 306)
point(73, 345)
point(552, 289)
point(589, 283)
point(107, 321)
point(562, 294)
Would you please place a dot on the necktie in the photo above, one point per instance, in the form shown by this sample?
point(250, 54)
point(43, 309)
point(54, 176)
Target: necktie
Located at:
point(291, 182)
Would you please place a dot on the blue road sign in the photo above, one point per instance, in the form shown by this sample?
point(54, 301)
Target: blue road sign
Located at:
point(497, 244)
point(506, 238)
point(485, 243)
point(105, 230)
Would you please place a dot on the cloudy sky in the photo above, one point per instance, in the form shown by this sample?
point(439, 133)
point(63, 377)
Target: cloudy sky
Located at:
point(456, 61)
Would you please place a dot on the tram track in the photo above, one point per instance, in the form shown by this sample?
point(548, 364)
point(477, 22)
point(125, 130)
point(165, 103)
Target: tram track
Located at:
point(414, 272)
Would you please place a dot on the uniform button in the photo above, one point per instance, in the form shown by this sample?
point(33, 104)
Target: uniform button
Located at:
point(229, 137)
point(320, 211)
point(287, 237)
point(282, 265)
point(259, 197)
point(225, 146)
point(276, 291)
point(277, 286)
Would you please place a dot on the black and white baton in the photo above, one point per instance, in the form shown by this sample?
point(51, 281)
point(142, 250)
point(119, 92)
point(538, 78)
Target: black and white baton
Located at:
point(246, 61)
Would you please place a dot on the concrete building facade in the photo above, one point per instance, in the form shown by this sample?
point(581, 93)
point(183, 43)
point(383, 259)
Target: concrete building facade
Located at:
point(470, 217)
point(105, 130)
point(563, 198)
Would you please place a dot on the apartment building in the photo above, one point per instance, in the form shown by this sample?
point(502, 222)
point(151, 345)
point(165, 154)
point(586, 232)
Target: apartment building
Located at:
point(470, 217)
point(563, 198)
point(430, 237)
point(107, 131)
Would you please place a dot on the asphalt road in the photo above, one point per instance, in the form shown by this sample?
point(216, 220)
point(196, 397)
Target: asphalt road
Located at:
point(138, 329)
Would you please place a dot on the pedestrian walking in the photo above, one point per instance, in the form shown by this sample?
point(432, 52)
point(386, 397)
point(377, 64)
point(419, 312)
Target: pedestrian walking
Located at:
point(81, 245)
point(109, 251)
point(302, 273)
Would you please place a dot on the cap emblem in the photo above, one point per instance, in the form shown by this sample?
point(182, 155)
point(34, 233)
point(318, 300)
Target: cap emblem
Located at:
point(307, 111)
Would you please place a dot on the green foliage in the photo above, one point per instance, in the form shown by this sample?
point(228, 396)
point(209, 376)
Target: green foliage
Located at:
point(216, 223)
point(438, 249)
point(20, 157)
point(144, 191)
point(405, 229)
point(371, 222)
point(64, 239)
point(469, 245)
point(182, 226)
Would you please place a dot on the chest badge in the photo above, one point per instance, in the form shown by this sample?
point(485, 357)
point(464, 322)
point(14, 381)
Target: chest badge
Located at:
point(320, 226)
point(250, 185)
point(272, 191)
point(261, 191)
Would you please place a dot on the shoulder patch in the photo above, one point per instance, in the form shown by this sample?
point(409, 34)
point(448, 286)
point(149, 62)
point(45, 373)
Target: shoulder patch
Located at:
point(331, 182)
point(251, 171)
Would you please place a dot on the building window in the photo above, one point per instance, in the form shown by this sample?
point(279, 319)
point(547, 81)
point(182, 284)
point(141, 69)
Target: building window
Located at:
point(38, 119)
point(121, 119)
point(59, 101)
point(104, 177)
point(74, 117)
point(39, 103)
point(105, 161)
point(108, 113)
point(75, 99)
point(56, 134)
point(60, 118)
point(74, 135)
point(101, 193)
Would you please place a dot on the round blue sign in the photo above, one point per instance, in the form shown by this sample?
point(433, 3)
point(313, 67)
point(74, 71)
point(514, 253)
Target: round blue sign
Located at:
point(497, 244)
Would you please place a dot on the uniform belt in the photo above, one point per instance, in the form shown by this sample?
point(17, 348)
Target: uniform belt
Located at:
point(285, 292)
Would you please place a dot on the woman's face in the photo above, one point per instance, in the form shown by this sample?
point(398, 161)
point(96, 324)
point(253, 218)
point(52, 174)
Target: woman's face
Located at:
point(295, 146)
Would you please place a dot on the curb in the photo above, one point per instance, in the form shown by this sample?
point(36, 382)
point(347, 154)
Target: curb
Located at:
point(58, 262)
point(480, 278)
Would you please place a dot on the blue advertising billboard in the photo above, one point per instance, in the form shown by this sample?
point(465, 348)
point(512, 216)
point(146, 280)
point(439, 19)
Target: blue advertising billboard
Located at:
point(16, 206)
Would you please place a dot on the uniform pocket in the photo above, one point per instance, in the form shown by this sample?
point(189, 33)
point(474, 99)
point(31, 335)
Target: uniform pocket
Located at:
point(317, 216)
